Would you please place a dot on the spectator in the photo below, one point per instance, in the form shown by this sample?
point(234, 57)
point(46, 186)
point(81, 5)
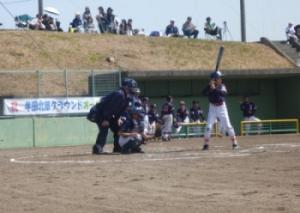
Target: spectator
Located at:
point(37, 23)
point(123, 27)
point(76, 24)
point(153, 120)
point(141, 32)
point(90, 25)
point(110, 17)
point(212, 29)
point(129, 27)
point(196, 113)
point(172, 30)
point(102, 21)
point(290, 33)
point(87, 19)
point(189, 29)
point(155, 34)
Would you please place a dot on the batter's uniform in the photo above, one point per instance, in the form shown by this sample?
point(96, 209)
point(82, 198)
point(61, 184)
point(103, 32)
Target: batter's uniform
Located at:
point(249, 109)
point(182, 117)
point(167, 119)
point(217, 110)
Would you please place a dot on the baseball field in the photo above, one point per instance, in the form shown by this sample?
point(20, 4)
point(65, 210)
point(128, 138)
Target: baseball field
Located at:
point(263, 176)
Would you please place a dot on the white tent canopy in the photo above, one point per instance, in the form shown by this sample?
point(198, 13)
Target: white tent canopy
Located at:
point(51, 10)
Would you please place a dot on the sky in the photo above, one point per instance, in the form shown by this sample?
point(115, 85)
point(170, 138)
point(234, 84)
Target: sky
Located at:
point(264, 18)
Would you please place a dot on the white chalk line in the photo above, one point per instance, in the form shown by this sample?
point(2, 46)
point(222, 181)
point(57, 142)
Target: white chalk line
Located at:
point(149, 157)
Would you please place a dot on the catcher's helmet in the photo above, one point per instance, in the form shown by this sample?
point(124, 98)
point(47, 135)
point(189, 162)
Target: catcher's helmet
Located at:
point(131, 83)
point(216, 74)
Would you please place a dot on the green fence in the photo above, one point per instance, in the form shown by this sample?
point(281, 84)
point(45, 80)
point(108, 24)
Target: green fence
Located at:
point(45, 132)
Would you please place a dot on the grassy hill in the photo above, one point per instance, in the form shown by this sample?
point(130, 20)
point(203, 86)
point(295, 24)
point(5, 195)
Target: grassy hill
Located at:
point(43, 50)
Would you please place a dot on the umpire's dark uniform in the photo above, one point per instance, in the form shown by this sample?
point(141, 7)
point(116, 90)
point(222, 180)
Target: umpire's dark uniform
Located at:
point(110, 109)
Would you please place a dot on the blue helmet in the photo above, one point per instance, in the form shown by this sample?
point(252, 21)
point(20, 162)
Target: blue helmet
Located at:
point(130, 83)
point(216, 74)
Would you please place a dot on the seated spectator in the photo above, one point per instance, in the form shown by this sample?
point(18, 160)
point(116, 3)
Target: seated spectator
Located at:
point(76, 24)
point(48, 22)
point(212, 29)
point(123, 27)
point(101, 19)
point(189, 29)
point(87, 19)
point(129, 27)
point(37, 23)
point(90, 25)
point(196, 113)
point(172, 30)
point(155, 34)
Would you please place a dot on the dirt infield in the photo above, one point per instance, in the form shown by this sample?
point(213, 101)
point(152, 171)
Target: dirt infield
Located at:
point(263, 176)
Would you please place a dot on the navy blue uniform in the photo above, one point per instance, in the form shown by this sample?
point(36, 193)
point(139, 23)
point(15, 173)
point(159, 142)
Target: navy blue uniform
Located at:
point(153, 116)
point(182, 115)
point(215, 96)
point(167, 109)
point(248, 108)
point(110, 108)
point(196, 114)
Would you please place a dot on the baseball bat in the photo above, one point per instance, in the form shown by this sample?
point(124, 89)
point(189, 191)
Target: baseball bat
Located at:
point(219, 58)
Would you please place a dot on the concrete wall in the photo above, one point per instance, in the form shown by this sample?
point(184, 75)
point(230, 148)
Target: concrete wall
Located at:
point(44, 132)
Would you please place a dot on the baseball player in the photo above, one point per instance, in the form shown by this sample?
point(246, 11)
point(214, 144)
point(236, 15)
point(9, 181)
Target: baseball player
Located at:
point(182, 116)
point(131, 133)
point(249, 108)
point(107, 113)
point(196, 113)
point(216, 92)
point(153, 118)
point(167, 113)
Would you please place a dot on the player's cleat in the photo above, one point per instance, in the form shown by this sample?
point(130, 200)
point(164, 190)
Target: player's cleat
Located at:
point(235, 146)
point(97, 150)
point(205, 147)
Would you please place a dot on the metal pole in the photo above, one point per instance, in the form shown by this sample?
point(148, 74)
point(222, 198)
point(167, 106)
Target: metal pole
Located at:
point(93, 84)
point(38, 77)
point(243, 20)
point(66, 84)
point(40, 7)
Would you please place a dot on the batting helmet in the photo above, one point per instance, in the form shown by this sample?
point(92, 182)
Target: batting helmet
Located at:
point(216, 74)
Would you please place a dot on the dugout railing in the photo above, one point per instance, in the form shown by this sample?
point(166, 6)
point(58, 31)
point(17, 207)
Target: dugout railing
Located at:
point(194, 130)
point(275, 126)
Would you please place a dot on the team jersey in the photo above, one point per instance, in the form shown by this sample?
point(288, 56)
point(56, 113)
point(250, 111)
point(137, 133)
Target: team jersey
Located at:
point(153, 116)
point(131, 125)
point(167, 109)
point(216, 96)
point(196, 114)
point(248, 108)
point(182, 115)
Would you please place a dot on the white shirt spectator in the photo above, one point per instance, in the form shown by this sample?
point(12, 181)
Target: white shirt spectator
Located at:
point(290, 32)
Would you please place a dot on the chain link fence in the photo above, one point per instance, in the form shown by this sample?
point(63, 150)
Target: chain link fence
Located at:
point(57, 83)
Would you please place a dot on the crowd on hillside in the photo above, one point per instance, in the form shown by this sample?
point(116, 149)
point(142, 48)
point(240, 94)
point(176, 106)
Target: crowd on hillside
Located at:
point(105, 21)
point(293, 35)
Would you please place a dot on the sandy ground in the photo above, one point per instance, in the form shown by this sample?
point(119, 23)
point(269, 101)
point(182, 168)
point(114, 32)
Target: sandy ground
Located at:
point(263, 176)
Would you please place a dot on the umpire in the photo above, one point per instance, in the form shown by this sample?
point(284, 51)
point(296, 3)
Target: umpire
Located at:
point(108, 112)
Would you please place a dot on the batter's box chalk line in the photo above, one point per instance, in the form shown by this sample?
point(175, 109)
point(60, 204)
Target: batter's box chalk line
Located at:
point(174, 154)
